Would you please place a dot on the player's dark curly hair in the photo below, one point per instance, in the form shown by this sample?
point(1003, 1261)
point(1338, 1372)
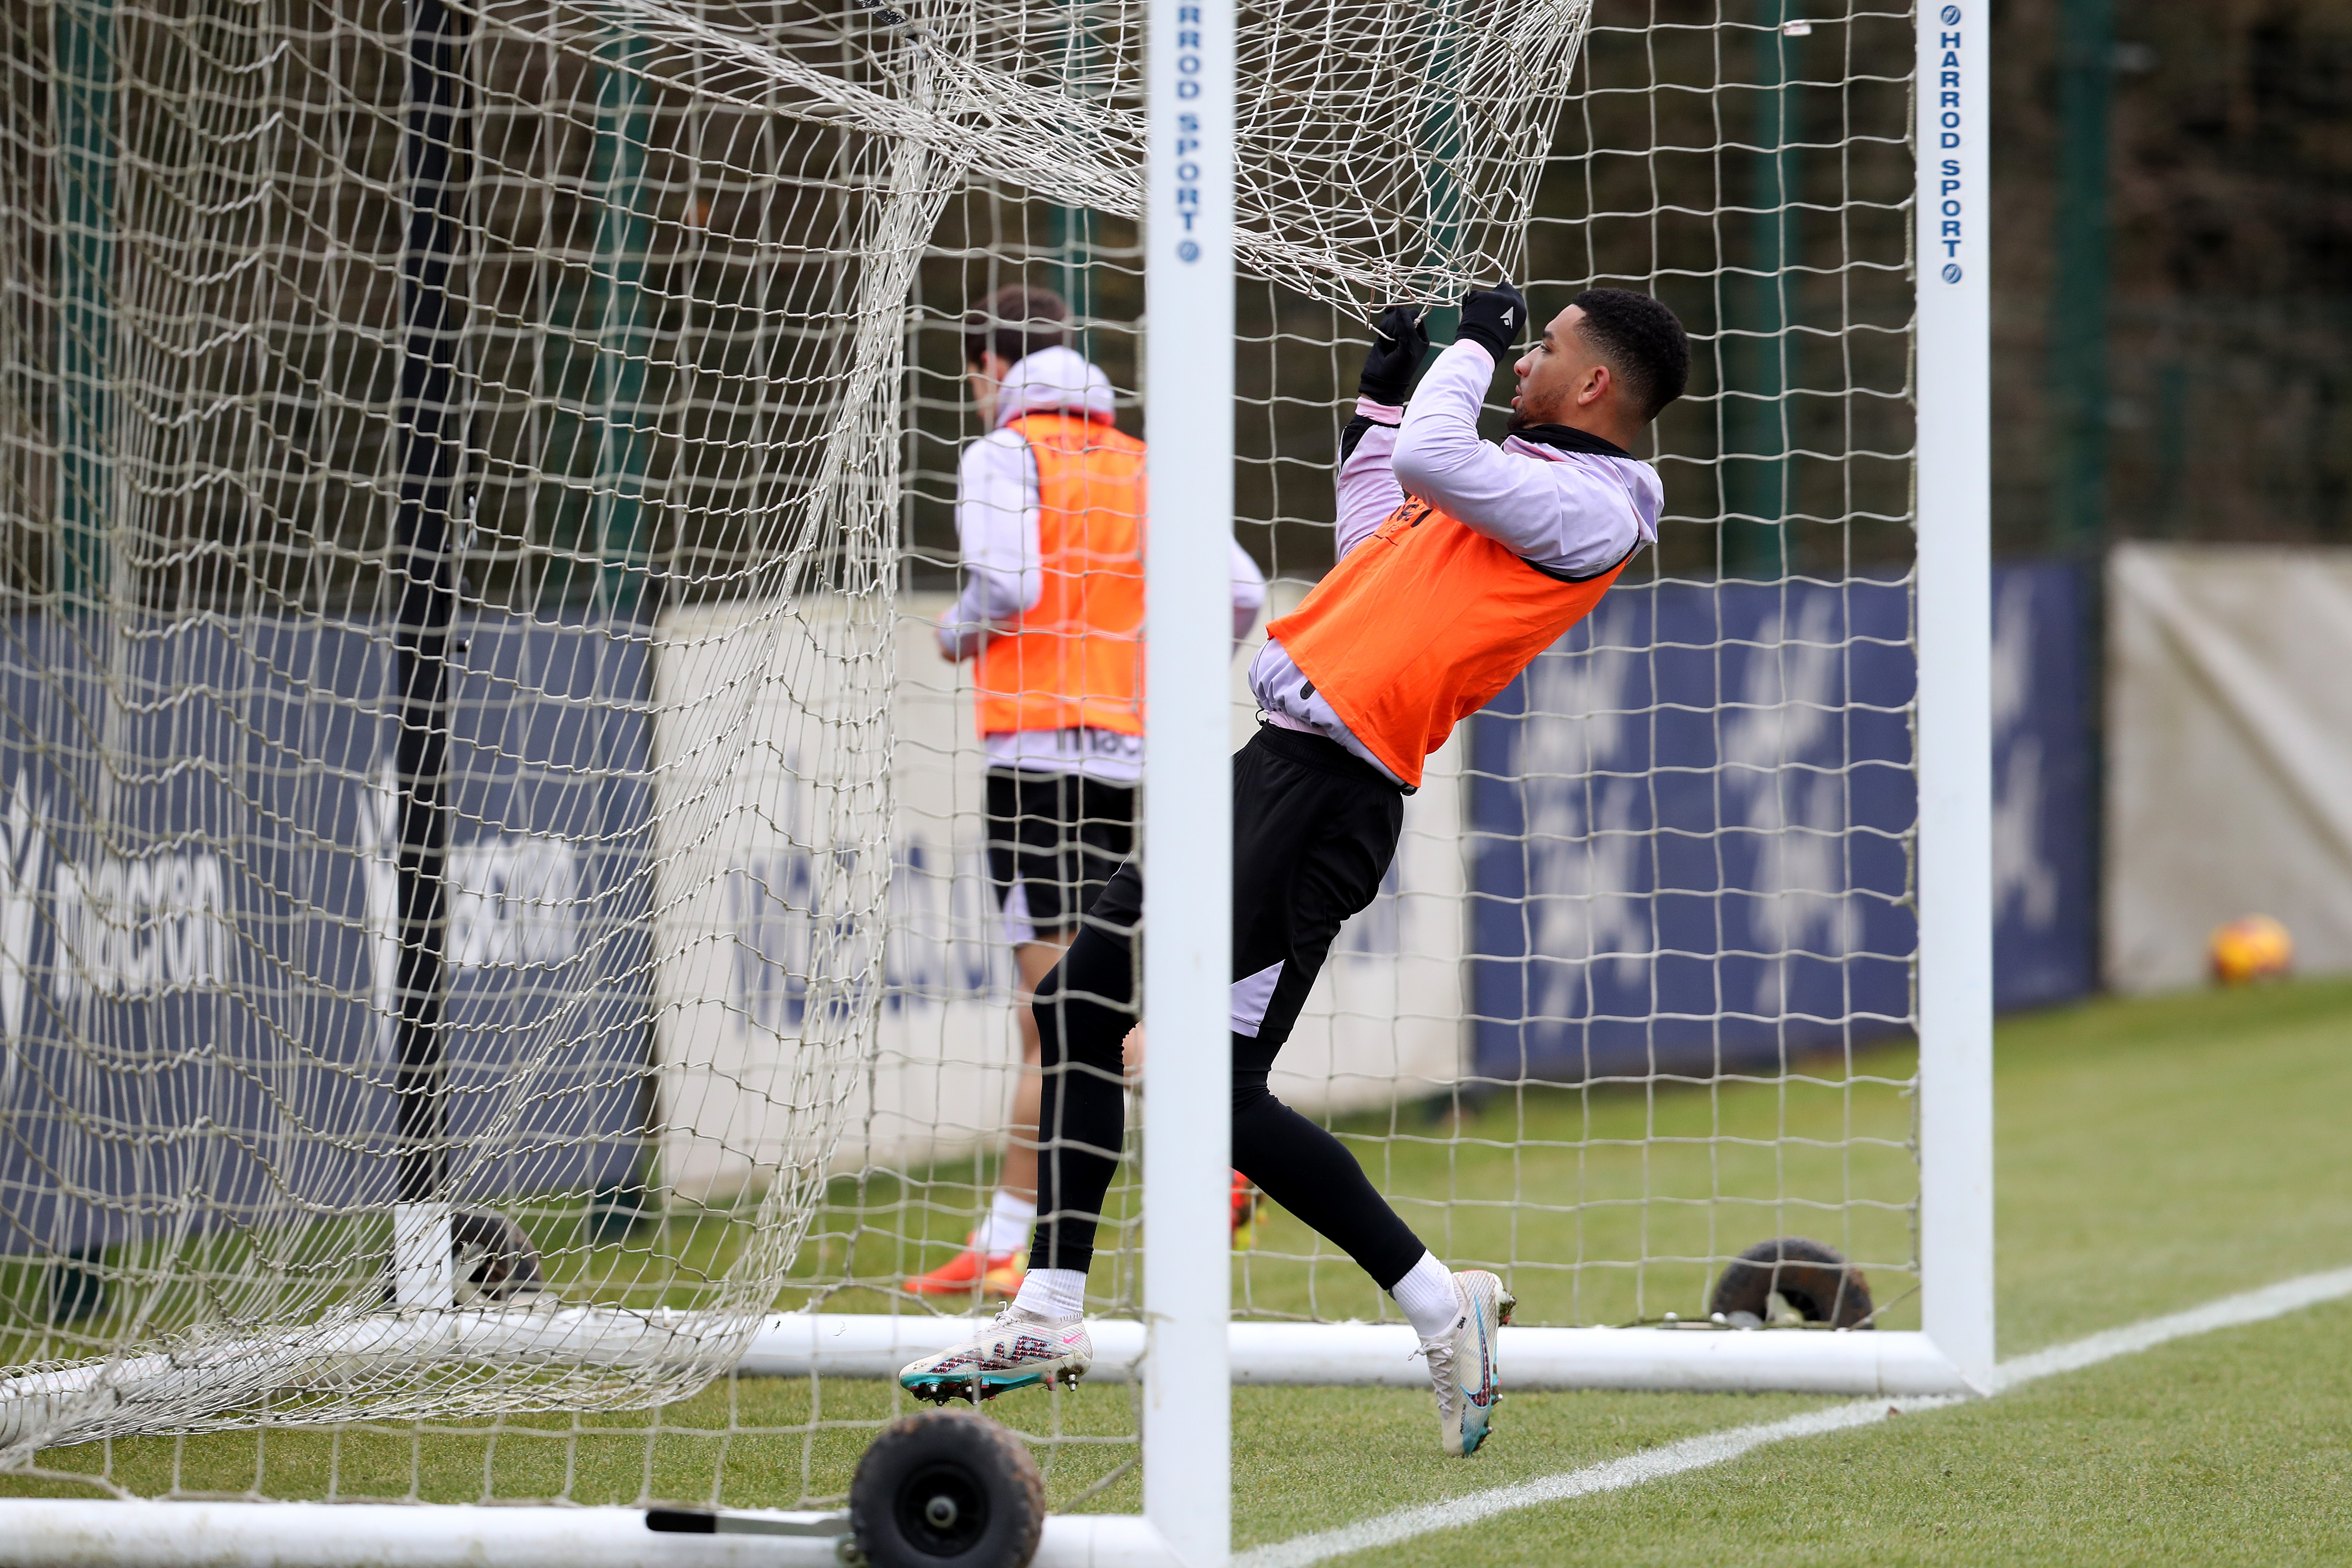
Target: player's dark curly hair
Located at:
point(1016, 321)
point(1641, 341)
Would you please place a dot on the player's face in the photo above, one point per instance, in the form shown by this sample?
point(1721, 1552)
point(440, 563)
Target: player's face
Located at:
point(1559, 372)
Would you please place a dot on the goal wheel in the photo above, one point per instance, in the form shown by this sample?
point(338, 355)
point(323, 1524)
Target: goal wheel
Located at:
point(491, 1261)
point(1811, 1276)
point(490, 1258)
point(949, 1489)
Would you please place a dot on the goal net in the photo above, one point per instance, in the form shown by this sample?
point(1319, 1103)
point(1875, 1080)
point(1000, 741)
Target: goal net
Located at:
point(1639, 991)
point(496, 949)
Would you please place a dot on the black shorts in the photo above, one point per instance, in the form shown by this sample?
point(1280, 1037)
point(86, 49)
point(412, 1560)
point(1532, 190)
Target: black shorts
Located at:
point(1054, 839)
point(1315, 829)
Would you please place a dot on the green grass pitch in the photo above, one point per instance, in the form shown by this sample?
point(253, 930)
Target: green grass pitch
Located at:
point(2152, 1155)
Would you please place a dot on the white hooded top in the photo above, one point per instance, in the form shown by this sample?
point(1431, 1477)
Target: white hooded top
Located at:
point(1004, 565)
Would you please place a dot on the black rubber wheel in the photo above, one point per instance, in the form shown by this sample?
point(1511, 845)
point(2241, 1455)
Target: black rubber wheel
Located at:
point(492, 1259)
point(949, 1489)
point(1810, 1276)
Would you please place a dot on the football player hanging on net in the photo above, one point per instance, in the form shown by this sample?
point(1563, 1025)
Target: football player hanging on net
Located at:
point(1049, 517)
point(1459, 563)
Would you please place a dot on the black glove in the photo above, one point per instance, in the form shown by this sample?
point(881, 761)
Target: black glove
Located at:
point(1399, 345)
point(1494, 319)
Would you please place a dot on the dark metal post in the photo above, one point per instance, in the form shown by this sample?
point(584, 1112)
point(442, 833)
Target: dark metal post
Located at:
point(84, 94)
point(624, 120)
point(82, 99)
point(1438, 140)
point(617, 395)
point(1071, 229)
point(1071, 234)
point(1757, 426)
point(2078, 295)
point(432, 440)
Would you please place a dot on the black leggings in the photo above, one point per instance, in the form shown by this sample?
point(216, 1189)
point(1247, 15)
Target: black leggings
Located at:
point(1314, 831)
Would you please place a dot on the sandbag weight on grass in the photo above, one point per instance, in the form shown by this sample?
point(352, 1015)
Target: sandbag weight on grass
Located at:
point(1810, 1276)
point(492, 1259)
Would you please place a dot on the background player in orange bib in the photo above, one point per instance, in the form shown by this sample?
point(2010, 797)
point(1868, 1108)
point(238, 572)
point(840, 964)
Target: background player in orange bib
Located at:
point(1459, 562)
point(1050, 515)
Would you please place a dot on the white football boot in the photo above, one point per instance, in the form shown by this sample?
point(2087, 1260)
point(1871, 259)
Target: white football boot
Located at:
point(1463, 1366)
point(1019, 1350)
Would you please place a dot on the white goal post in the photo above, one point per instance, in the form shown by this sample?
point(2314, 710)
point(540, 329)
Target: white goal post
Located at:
point(1188, 278)
point(1955, 566)
point(590, 897)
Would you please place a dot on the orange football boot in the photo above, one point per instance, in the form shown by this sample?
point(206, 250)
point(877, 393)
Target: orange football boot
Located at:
point(1245, 1200)
point(995, 1275)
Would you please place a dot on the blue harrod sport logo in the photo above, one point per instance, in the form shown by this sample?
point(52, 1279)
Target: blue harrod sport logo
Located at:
point(1949, 145)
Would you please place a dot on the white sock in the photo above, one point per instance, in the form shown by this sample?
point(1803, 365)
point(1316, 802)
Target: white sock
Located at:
point(1056, 1295)
point(1427, 1295)
point(1005, 1228)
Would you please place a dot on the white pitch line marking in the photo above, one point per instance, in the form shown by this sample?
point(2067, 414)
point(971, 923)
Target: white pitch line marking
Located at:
point(1719, 1447)
point(2229, 1312)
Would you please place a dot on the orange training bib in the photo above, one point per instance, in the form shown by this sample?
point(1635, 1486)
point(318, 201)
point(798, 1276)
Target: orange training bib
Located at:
point(1076, 657)
point(1424, 623)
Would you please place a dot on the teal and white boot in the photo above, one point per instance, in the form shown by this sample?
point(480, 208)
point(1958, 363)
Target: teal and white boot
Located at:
point(1463, 1366)
point(1019, 1350)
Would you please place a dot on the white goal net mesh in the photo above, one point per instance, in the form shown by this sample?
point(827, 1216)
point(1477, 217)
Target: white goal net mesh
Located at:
point(474, 762)
point(1639, 993)
point(456, 457)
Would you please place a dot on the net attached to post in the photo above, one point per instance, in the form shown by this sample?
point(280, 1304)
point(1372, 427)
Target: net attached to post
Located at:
point(1637, 995)
point(454, 462)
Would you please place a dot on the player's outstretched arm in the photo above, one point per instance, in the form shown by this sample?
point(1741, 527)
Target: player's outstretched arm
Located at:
point(1560, 516)
point(1440, 457)
point(1368, 490)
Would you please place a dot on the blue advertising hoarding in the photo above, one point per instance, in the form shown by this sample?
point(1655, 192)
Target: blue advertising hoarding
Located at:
point(197, 911)
point(1689, 827)
point(2045, 945)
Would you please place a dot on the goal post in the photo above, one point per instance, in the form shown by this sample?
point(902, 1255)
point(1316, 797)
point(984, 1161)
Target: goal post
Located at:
point(1954, 402)
point(1187, 380)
